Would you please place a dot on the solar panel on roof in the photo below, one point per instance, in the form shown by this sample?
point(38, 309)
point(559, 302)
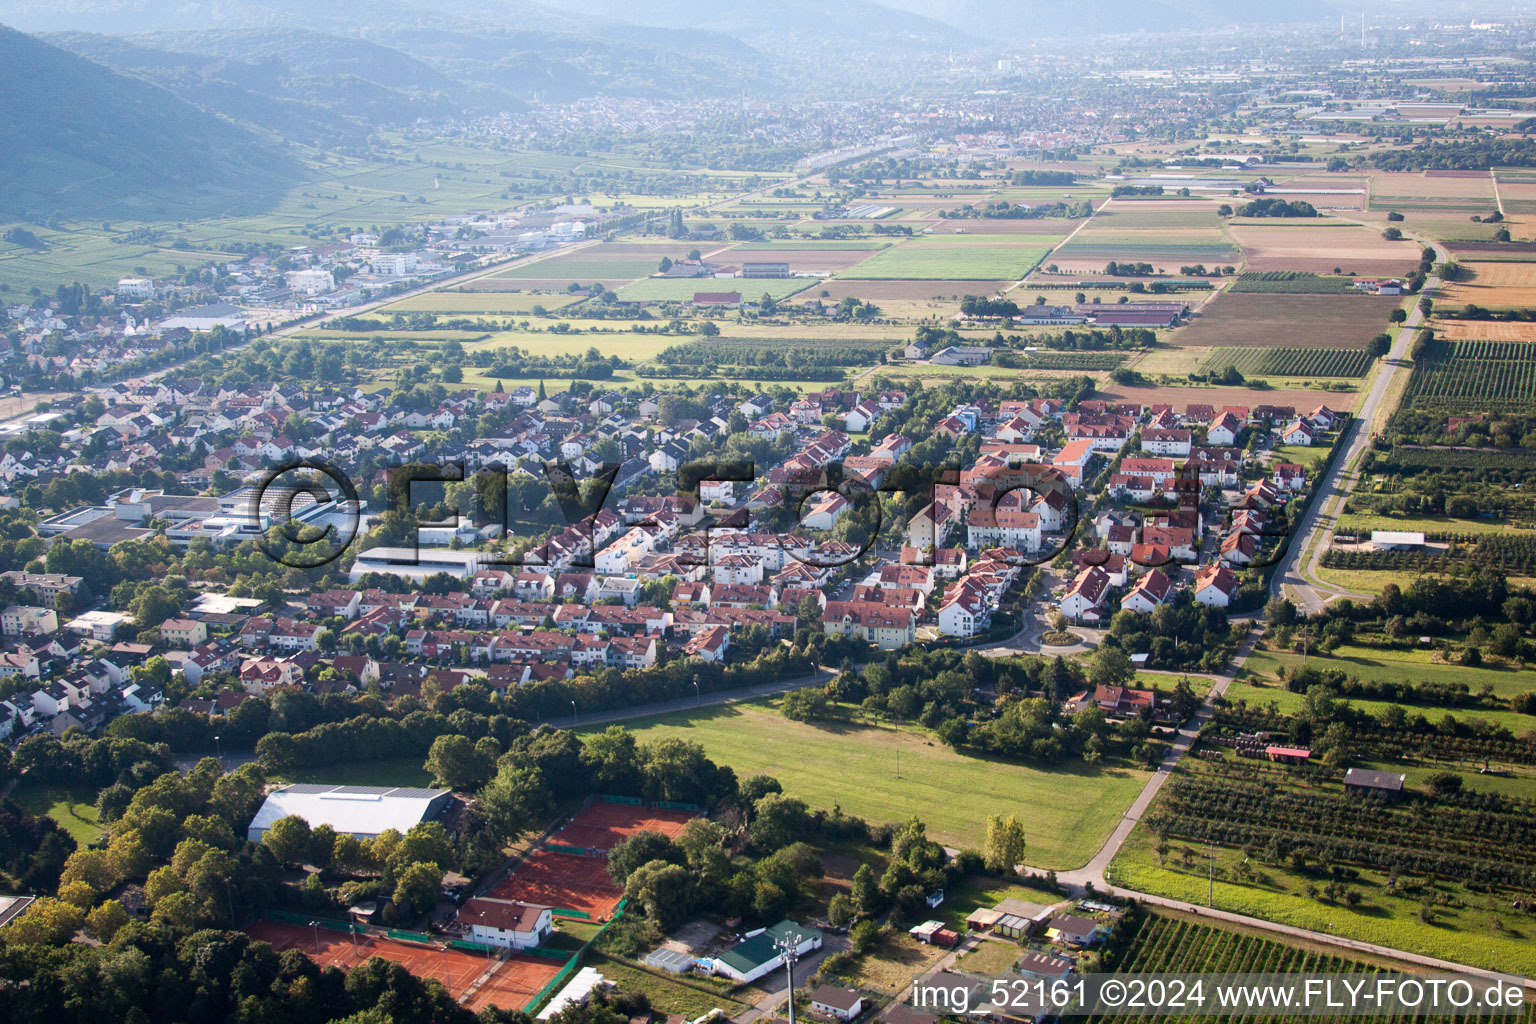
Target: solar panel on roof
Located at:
point(363, 790)
point(306, 788)
point(418, 794)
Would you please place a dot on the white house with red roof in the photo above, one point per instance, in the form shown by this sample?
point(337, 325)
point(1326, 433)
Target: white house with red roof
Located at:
point(1215, 585)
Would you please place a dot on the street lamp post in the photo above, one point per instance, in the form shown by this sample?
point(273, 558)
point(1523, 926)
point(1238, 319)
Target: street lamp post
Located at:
point(316, 926)
point(219, 749)
point(573, 713)
point(698, 695)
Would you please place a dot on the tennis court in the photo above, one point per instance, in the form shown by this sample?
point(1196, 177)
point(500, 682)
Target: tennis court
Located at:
point(602, 826)
point(457, 970)
point(562, 880)
point(517, 980)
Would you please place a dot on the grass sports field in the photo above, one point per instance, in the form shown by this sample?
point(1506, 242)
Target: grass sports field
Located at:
point(1068, 813)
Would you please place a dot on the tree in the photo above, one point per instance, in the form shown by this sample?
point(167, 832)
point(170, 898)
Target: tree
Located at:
point(103, 922)
point(454, 761)
point(777, 821)
point(1445, 783)
point(1004, 844)
point(663, 891)
point(865, 892)
point(641, 848)
point(707, 329)
point(418, 886)
point(1110, 666)
point(288, 838)
point(515, 801)
point(864, 936)
point(47, 920)
point(840, 910)
point(1398, 315)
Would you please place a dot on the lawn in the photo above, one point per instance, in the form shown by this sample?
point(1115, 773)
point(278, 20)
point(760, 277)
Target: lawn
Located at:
point(692, 997)
point(1290, 703)
point(1310, 456)
point(995, 956)
point(73, 807)
point(1067, 812)
point(1355, 523)
point(1418, 664)
point(948, 260)
point(1466, 934)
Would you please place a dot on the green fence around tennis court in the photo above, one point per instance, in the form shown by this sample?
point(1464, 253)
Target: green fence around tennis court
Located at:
point(571, 965)
point(311, 921)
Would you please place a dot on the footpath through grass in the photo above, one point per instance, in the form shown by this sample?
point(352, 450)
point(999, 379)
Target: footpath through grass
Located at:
point(1068, 811)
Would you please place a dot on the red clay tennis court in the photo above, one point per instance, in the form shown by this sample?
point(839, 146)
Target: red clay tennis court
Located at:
point(602, 826)
point(562, 880)
point(516, 981)
point(456, 969)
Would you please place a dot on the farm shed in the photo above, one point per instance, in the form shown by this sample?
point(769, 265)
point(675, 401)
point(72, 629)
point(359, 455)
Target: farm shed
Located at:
point(671, 960)
point(1397, 540)
point(1366, 780)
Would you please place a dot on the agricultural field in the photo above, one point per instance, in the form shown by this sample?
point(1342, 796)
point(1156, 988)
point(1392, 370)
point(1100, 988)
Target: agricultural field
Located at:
point(1432, 190)
point(1474, 375)
point(1362, 523)
point(1442, 227)
point(1468, 925)
point(1290, 362)
point(474, 303)
point(1172, 942)
point(1413, 664)
point(1492, 285)
point(1291, 282)
point(951, 792)
point(949, 259)
point(1322, 247)
point(1517, 192)
point(1057, 228)
point(1180, 395)
point(1108, 239)
point(800, 260)
point(1484, 330)
point(682, 289)
point(1284, 321)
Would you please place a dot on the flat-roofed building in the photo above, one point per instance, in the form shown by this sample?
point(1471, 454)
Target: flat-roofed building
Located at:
point(362, 811)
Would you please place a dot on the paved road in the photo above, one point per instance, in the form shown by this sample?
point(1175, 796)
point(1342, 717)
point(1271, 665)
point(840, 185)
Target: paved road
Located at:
point(1094, 870)
point(1295, 575)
